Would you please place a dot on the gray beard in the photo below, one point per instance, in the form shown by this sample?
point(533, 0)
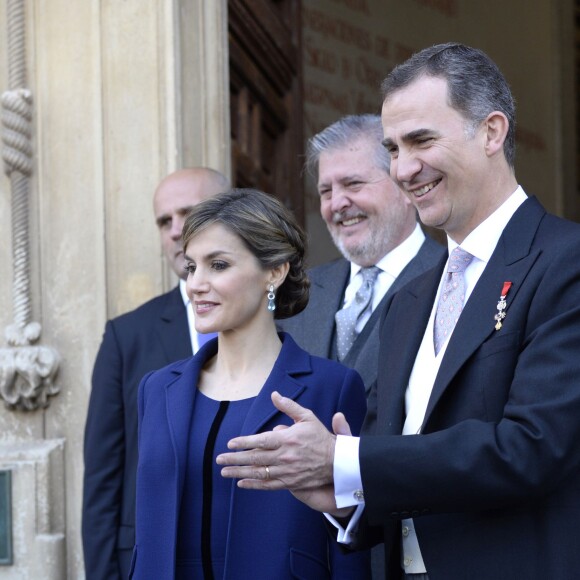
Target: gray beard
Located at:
point(371, 250)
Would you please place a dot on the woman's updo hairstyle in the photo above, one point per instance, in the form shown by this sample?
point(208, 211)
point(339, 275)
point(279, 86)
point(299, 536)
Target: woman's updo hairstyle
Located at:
point(268, 230)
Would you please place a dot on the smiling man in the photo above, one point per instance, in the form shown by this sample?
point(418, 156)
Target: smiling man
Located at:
point(374, 226)
point(469, 464)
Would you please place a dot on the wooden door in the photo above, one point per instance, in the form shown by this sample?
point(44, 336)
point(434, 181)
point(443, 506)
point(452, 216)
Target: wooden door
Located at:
point(266, 98)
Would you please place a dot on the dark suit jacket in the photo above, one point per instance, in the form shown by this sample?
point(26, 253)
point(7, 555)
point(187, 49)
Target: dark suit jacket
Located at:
point(314, 328)
point(493, 481)
point(271, 535)
point(135, 343)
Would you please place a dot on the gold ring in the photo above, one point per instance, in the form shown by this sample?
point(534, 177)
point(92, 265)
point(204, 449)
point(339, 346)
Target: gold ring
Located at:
point(267, 473)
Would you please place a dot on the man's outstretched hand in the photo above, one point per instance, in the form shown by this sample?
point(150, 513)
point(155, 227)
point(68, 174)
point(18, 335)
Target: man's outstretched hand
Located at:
point(298, 458)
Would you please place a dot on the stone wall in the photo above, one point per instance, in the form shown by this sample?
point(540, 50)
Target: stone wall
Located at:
point(123, 93)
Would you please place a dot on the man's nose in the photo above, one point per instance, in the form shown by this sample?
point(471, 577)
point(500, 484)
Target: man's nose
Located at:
point(340, 199)
point(405, 167)
point(177, 227)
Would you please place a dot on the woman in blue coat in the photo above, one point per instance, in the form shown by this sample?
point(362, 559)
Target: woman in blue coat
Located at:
point(245, 260)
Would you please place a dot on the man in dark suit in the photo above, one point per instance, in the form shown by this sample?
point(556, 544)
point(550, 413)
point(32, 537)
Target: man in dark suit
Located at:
point(152, 336)
point(372, 223)
point(471, 468)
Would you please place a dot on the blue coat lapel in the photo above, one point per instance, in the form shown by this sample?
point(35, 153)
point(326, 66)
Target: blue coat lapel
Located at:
point(180, 395)
point(180, 400)
point(291, 361)
point(511, 261)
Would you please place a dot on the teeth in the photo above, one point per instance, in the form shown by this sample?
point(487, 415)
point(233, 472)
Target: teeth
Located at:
point(351, 221)
point(423, 190)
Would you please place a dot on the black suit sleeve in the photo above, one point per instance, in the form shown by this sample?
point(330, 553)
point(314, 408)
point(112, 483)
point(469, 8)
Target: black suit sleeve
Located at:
point(104, 454)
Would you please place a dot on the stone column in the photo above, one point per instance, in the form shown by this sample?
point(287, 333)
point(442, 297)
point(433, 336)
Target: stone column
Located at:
point(124, 93)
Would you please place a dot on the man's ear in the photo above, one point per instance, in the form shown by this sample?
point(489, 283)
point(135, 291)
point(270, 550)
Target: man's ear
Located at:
point(496, 126)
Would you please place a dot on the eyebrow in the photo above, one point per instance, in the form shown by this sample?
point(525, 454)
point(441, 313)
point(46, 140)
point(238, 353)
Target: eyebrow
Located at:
point(342, 179)
point(211, 255)
point(410, 137)
point(167, 216)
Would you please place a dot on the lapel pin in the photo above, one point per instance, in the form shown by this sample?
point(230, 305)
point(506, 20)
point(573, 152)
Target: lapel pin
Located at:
point(501, 305)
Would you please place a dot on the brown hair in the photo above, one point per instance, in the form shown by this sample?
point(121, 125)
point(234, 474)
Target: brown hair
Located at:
point(268, 230)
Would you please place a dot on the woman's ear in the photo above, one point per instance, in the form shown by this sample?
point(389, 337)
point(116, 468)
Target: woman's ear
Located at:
point(278, 274)
point(496, 129)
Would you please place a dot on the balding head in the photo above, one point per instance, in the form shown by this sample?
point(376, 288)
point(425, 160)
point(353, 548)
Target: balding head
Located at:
point(174, 197)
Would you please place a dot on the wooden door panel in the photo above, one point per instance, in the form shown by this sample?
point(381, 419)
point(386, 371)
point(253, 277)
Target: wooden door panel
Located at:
point(266, 98)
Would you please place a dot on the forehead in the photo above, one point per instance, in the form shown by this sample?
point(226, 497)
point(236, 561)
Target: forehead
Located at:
point(421, 105)
point(356, 157)
point(213, 238)
point(175, 194)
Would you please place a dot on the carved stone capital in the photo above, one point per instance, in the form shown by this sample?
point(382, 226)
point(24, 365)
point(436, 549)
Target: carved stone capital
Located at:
point(27, 372)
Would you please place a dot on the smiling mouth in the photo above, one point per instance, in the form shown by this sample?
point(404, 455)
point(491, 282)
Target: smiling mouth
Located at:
point(201, 307)
point(421, 191)
point(348, 221)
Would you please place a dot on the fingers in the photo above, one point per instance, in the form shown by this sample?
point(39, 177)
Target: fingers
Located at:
point(291, 408)
point(340, 425)
point(254, 472)
point(261, 484)
point(254, 477)
point(268, 440)
point(251, 457)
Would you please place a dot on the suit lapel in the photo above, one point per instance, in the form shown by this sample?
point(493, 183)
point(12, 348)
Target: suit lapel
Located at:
point(511, 261)
point(173, 329)
point(402, 333)
point(327, 296)
point(364, 353)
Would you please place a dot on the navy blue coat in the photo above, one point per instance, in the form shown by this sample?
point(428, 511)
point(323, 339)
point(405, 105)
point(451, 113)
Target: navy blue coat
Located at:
point(271, 534)
point(493, 481)
point(135, 343)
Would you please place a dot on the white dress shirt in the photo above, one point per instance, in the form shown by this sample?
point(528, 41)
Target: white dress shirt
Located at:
point(190, 318)
point(481, 243)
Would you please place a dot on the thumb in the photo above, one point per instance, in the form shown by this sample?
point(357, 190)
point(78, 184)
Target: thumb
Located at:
point(340, 425)
point(291, 408)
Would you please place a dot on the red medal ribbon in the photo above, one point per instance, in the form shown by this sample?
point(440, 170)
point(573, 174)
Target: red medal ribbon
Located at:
point(506, 288)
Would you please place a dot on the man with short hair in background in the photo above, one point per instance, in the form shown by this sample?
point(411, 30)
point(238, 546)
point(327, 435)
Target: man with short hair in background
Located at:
point(374, 226)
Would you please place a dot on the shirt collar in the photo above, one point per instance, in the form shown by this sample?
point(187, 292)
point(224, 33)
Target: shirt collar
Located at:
point(481, 242)
point(396, 260)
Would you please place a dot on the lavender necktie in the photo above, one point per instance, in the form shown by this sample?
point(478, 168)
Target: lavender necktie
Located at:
point(347, 318)
point(452, 297)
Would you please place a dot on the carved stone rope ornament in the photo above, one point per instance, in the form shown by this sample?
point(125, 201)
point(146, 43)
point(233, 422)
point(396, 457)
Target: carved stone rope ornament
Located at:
point(27, 372)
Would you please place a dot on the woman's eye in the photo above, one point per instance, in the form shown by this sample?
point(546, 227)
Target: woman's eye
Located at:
point(189, 268)
point(218, 265)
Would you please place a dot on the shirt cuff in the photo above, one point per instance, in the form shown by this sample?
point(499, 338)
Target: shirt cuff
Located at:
point(346, 535)
point(348, 490)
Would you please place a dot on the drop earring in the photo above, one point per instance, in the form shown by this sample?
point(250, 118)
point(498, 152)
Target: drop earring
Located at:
point(271, 297)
